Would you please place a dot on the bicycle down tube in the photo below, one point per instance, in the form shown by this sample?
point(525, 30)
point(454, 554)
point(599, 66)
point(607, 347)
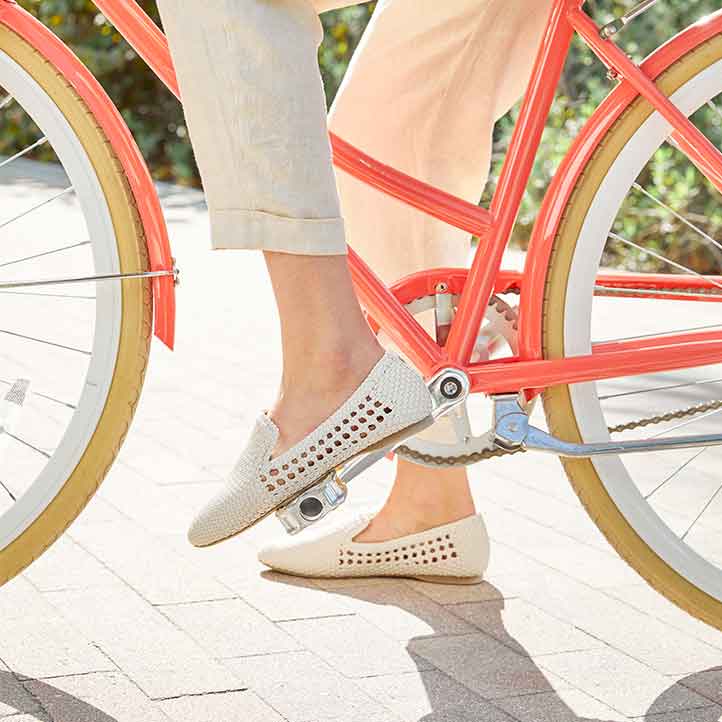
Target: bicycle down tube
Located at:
point(494, 226)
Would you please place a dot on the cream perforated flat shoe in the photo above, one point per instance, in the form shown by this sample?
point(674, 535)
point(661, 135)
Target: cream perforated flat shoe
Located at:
point(391, 401)
point(455, 553)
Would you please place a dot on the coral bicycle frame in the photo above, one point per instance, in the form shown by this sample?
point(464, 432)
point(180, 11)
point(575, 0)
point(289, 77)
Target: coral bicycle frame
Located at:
point(493, 226)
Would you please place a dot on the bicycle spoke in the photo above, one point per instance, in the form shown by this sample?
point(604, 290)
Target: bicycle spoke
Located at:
point(678, 216)
point(44, 253)
point(83, 279)
point(662, 258)
point(47, 295)
point(653, 293)
point(35, 207)
point(676, 472)
point(43, 396)
point(699, 516)
point(28, 444)
point(9, 493)
point(24, 151)
point(662, 333)
point(45, 341)
point(660, 388)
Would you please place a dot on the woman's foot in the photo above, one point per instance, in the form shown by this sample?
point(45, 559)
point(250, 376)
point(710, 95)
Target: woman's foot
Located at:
point(391, 399)
point(423, 503)
point(454, 553)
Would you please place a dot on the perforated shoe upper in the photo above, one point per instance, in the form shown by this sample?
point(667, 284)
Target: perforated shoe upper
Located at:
point(459, 549)
point(392, 397)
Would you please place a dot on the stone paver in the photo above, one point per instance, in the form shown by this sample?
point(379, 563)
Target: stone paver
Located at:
point(431, 695)
point(14, 698)
point(525, 628)
point(646, 600)
point(37, 641)
point(486, 666)
point(708, 683)
point(101, 697)
point(229, 628)
point(124, 621)
point(66, 565)
point(562, 705)
point(352, 645)
point(701, 714)
point(403, 613)
point(156, 572)
point(160, 658)
point(623, 683)
point(241, 706)
point(303, 688)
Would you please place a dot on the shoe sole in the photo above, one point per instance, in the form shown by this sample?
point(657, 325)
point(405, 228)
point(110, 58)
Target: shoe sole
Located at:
point(431, 578)
point(390, 440)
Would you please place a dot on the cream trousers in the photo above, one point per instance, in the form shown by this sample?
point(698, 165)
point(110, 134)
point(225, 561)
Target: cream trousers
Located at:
point(422, 93)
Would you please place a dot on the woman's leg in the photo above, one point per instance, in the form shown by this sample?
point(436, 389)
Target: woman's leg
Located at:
point(328, 348)
point(422, 94)
point(255, 107)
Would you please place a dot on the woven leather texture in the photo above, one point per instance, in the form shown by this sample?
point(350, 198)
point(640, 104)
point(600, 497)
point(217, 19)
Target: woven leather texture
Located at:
point(458, 549)
point(392, 397)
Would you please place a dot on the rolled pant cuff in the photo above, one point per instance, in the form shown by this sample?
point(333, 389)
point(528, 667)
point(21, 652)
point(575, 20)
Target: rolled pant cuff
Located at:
point(257, 230)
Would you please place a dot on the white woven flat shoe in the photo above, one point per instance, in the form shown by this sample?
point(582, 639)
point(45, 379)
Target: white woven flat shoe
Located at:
point(391, 401)
point(455, 553)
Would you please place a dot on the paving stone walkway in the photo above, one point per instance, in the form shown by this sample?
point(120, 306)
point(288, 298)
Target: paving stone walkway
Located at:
point(123, 621)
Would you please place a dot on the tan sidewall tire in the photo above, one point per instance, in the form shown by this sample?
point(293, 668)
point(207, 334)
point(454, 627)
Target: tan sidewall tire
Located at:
point(136, 322)
point(557, 401)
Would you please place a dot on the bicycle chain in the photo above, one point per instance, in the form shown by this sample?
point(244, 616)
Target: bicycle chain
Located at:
point(669, 416)
point(460, 460)
point(468, 459)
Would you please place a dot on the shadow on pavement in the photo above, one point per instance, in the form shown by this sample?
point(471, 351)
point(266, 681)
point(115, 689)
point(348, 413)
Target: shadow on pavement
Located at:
point(16, 695)
point(448, 700)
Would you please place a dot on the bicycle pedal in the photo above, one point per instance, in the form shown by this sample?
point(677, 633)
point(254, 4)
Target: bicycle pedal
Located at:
point(313, 505)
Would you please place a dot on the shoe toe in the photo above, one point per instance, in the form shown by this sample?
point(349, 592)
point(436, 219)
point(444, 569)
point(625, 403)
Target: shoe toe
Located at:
point(219, 519)
point(314, 552)
point(203, 530)
point(280, 557)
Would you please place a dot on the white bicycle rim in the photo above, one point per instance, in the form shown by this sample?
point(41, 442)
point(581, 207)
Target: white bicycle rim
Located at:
point(108, 304)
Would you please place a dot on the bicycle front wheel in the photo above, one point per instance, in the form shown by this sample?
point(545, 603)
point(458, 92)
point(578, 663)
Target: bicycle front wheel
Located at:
point(72, 356)
point(640, 205)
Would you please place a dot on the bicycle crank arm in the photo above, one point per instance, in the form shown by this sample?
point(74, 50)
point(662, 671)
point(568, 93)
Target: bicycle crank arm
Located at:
point(448, 389)
point(513, 431)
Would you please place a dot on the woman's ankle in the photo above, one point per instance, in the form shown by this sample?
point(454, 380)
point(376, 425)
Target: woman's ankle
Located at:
point(329, 368)
point(421, 499)
point(311, 392)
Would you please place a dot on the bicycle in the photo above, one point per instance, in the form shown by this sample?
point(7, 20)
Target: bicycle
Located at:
point(84, 390)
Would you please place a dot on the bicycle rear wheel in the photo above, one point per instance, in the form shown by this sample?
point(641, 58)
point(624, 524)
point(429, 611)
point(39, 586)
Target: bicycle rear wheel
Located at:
point(661, 511)
point(72, 356)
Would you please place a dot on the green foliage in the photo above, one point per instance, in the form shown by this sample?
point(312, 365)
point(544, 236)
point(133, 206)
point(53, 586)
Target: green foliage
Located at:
point(157, 121)
point(151, 112)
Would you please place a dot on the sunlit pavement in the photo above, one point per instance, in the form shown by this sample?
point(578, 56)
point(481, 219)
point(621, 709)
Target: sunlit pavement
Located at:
point(123, 620)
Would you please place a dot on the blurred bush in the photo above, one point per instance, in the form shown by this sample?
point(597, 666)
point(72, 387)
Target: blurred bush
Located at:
point(157, 122)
